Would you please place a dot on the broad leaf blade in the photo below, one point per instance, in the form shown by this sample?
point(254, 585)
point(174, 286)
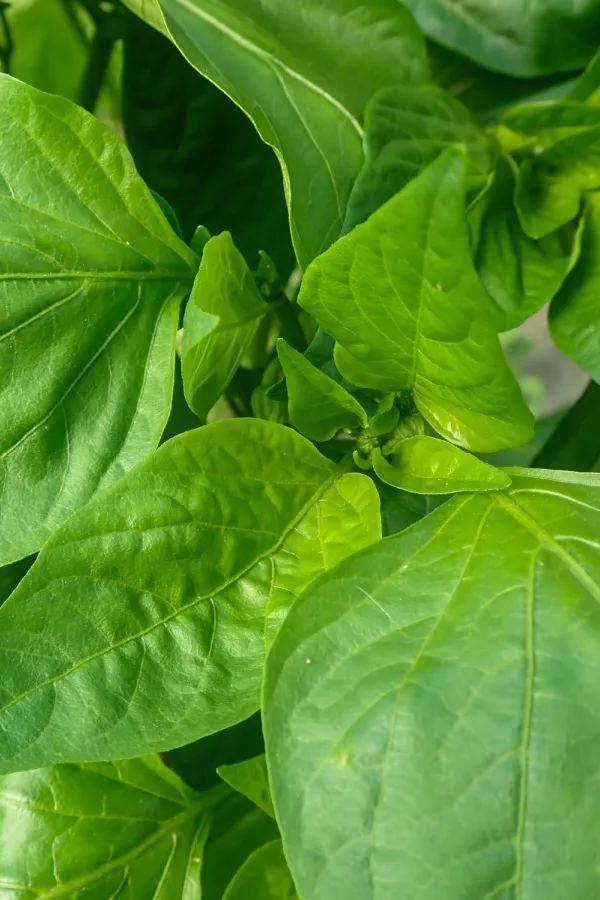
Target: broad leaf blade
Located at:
point(221, 318)
point(264, 876)
point(103, 830)
point(250, 778)
point(449, 710)
point(400, 296)
point(303, 72)
point(166, 591)
point(92, 278)
point(427, 465)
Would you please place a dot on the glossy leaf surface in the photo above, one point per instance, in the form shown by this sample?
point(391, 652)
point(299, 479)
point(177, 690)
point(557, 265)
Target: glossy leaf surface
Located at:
point(427, 465)
point(400, 296)
point(264, 876)
point(406, 128)
point(319, 407)
point(574, 314)
point(431, 706)
point(303, 72)
point(105, 830)
point(250, 778)
point(517, 37)
point(91, 278)
point(221, 318)
point(166, 591)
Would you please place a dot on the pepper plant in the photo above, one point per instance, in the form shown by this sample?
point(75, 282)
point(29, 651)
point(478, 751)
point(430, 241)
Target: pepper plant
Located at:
point(278, 622)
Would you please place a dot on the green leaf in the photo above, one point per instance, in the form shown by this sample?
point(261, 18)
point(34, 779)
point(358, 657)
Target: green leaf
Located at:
point(441, 742)
point(303, 72)
point(198, 149)
point(406, 128)
point(544, 200)
point(92, 278)
point(104, 830)
point(250, 778)
point(550, 122)
point(522, 39)
point(588, 83)
point(264, 876)
point(318, 406)
point(574, 444)
point(574, 317)
point(519, 273)
point(426, 465)
point(221, 318)
point(166, 591)
point(400, 296)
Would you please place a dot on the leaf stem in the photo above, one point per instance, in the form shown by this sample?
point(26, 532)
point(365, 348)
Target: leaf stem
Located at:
point(588, 83)
point(100, 52)
point(7, 46)
point(291, 329)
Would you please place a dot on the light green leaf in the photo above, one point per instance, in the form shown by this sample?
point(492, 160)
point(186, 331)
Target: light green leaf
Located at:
point(303, 72)
point(166, 591)
point(427, 465)
point(551, 122)
point(442, 741)
point(250, 778)
point(400, 296)
point(519, 273)
point(574, 317)
point(319, 407)
point(91, 278)
point(406, 128)
point(103, 830)
point(264, 876)
point(221, 318)
point(512, 36)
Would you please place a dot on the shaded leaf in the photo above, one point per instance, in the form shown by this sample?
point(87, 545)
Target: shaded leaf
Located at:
point(400, 296)
point(449, 712)
point(91, 281)
point(574, 444)
point(166, 591)
point(250, 778)
point(264, 876)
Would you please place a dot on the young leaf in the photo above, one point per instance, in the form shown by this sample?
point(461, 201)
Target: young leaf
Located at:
point(319, 407)
point(512, 37)
point(442, 741)
point(406, 128)
point(550, 122)
point(400, 296)
point(104, 830)
point(250, 778)
point(574, 317)
point(303, 72)
point(221, 318)
point(92, 278)
point(264, 876)
point(426, 465)
point(166, 591)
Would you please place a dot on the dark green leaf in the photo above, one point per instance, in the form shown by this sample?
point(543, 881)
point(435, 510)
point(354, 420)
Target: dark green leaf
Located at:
point(106, 830)
point(406, 128)
point(165, 592)
point(400, 296)
point(92, 278)
point(264, 876)
point(574, 444)
point(221, 318)
point(250, 778)
point(431, 706)
point(198, 149)
point(303, 72)
point(515, 37)
point(427, 465)
point(544, 200)
point(319, 407)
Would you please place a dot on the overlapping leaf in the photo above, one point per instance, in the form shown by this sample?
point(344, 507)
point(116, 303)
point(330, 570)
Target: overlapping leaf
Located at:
point(91, 278)
point(264, 876)
point(431, 706)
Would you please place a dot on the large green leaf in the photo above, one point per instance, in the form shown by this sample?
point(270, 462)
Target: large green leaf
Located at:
point(574, 314)
point(221, 318)
point(165, 592)
point(431, 706)
point(264, 876)
point(303, 72)
point(400, 296)
point(517, 37)
point(198, 149)
point(106, 830)
point(91, 278)
point(406, 128)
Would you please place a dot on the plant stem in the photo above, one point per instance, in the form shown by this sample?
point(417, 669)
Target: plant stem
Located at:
point(6, 48)
point(97, 63)
point(291, 329)
point(575, 444)
point(588, 83)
